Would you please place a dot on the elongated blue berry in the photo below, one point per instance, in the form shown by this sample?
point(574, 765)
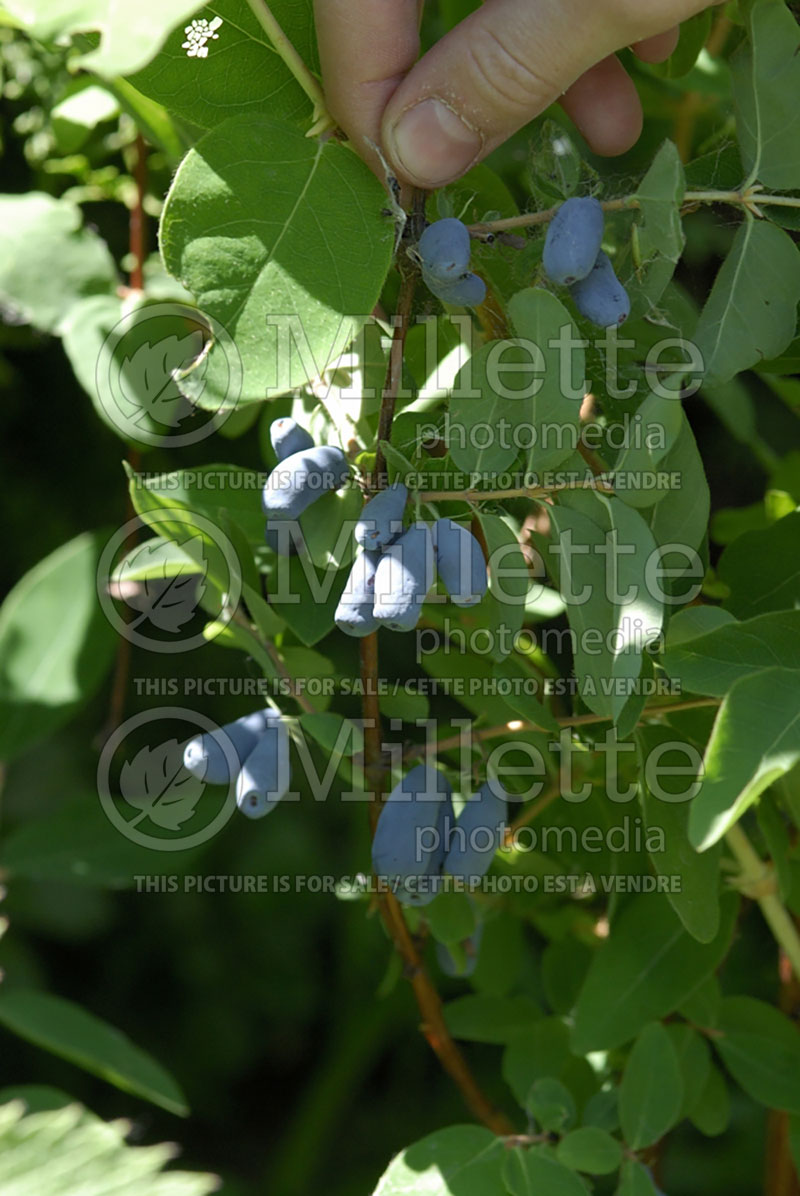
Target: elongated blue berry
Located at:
point(573, 241)
point(265, 775)
point(460, 562)
point(403, 578)
point(300, 479)
point(355, 612)
point(207, 756)
point(381, 520)
point(406, 850)
point(288, 438)
point(477, 834)
point(444, 249)
point(601, 297)
point(467, 290)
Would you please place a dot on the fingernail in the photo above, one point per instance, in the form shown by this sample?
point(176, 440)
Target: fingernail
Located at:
point(432, 144)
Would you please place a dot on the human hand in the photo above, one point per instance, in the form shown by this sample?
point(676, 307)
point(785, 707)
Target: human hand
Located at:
point(502, 66)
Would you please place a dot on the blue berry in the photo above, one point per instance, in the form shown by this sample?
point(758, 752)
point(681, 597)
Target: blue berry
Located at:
point(403, 578)
point(444, 249)
point(601, 298)
point(355, 614)
point(381, 520)
point(460, 562)
point(288, 437)
point(297, 481)
point(573, 241)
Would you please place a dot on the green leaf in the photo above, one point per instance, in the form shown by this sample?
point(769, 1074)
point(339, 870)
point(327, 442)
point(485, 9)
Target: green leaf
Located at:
point(481, 1017)
point(511, 396)
point(712, 663)
point(333, 732)
point(612, 614)
point(650, 435)
point(281, 240)
point(76, 116)
point(765, 73)
point(535, 1171)
point(755, 740)
point(67, 1030)
point(651, 1093)
point(762, 569)
point(76, 843)
point(509, 583)
point(564, 967)
point(660, 230)
point(694, 1059)
point(67, 1149)
point(55, 644)
point(760, 1047)
point(751, 313)
point(643, 971)
point(540, 1053)
point(451, 917)
point(242, 73)
point(462, 1160)
point(695, 899)
point(712, 1111)
point(589, 1149)
point(36, 231)
point(636, 1180)
point(681, 515)
point(128, 37)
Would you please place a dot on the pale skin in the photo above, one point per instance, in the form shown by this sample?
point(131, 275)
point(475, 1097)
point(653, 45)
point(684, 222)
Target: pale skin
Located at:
point(504, 64)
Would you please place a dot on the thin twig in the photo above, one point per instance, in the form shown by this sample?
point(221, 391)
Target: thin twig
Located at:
point(578, 720)
point(745, 198)
point(758, 881)
point(286, 51)
point(433, 1025)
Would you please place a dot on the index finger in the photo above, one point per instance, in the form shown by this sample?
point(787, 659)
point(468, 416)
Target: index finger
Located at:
point(366, 48)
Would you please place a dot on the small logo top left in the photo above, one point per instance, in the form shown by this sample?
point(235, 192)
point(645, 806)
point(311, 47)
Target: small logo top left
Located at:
point(143, 361)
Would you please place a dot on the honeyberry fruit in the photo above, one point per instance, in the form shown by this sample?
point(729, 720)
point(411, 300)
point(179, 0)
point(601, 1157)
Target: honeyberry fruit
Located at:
point(265, 776)
point(600, 297)
point(205, 756)
point(301, 478)
point(477, 834)
point(573, 241)
point(406, 849)
point(288, 437)
point(460, 561)
point(468, 290)
point(403, 578)
point(381, 519)
point(444, 249)
point(355, 612)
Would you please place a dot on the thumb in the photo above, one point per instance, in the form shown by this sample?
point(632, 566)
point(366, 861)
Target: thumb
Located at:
point(503, 65)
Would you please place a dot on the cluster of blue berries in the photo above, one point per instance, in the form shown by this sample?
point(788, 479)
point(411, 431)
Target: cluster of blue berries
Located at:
point(255, 750)
point(419, 843)
point(444, 253)
point(573, 258)
point(394, 568)
point(304, 473)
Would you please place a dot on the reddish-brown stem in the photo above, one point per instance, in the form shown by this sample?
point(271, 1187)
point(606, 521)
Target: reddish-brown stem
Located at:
point(433, 1025)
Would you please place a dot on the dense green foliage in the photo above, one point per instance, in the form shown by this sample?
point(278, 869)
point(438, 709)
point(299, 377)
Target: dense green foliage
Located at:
point(621, 985)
